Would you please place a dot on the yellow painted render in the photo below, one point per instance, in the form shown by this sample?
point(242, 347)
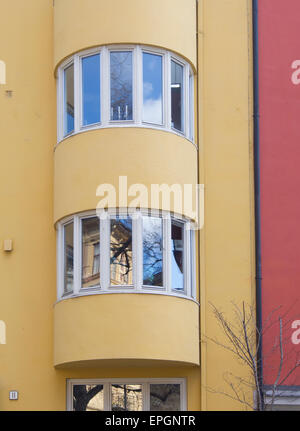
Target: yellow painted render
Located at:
point(146, 156)
point(33, 199)
point(225, 162)
point(143, 327)
point(27, 133)
point(79, 24)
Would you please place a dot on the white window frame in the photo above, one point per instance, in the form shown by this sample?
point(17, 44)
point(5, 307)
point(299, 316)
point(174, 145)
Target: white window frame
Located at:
point(81, 57)
point(161, 54)
point(145, 383)
point(137, 89)
point(137, 255)
point(185, 96)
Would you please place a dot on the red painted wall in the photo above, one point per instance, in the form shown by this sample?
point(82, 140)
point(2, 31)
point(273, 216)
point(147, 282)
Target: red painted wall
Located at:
point(279, 100)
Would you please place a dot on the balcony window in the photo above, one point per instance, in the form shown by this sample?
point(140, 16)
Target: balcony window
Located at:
point(152, 88)
point(90, 252)
point(152, 251)
point(91, 109)
point(126, 395)
point(68, 235)
point(118, 252)
point(177, 92)
point(134, 86)
point(69, 100)
point(121, 85)
point(177, 255)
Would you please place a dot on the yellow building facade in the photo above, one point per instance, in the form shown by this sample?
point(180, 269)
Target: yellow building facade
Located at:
point(95, 297)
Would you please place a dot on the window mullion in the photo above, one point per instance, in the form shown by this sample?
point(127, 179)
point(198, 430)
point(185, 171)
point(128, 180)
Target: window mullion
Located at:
point(104, 250)
point(76, 94)
point(60, 260)
point(167, 90)
point(77, 255)
point(167, 253)
point(107, 396)
point(137, 248)
point(193, 264)
point(191, 105)
point(186, 100)
point(146, 396)
point(138, 84)
point(105, 82)
point(187, 259)
point(60, 103)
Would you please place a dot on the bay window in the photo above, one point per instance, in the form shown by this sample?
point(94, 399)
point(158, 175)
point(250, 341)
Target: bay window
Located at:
point(121, 252)
point(134, 86)
point(127, 395)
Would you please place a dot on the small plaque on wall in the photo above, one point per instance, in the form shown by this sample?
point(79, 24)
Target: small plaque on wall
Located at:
point(13, 395)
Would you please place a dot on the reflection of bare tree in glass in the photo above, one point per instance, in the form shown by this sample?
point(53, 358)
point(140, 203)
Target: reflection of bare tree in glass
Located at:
point(127, 397)
point(82, 395)
point(164, 397)
point(121, 85)
point(152, 253)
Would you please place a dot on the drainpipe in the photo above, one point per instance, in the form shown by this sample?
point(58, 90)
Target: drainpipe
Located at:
point(257, 195)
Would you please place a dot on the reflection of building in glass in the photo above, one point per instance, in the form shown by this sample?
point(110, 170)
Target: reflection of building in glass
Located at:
point(126, 397)
point(121, 251)
point(90, 252)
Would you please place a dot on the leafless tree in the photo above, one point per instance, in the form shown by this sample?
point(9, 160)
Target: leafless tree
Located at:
point(244, 341)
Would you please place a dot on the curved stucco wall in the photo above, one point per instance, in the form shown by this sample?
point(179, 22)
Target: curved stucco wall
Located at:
point(80, 24)
point(145, 156)
point(126, 327)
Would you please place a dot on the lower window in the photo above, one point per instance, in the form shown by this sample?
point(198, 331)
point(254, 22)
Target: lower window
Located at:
point(126, 395)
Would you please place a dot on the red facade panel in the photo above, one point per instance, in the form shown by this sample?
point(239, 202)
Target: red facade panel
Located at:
point(279, 106)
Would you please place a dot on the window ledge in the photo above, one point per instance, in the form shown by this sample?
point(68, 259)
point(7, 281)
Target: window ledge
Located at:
point(97, 291)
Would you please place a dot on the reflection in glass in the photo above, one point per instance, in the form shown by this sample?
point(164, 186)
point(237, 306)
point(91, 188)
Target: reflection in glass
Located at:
point(164, 397)
point(121, 85)
point(68, 257)
point(152, 251)
point(90, 252)
point(152, 88)
point(91, 89)
point(126, 397)
point(88, 398)
point(177, 237)
point(176, 96)
point(69, 99)
point(191, 107)
point(120, 251)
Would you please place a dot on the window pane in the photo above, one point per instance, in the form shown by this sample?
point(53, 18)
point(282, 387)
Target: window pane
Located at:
point(176, 95)
point(164, 397)
point(69, 99)
point(152, 251)
point(91, 89)
point(68, 257)
point(126, 398)
point(88, 398)
point(90, 252)
point(121, 85)
point(177, 255)
point(152, 88)
point(191, 108)
point(120, 251)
